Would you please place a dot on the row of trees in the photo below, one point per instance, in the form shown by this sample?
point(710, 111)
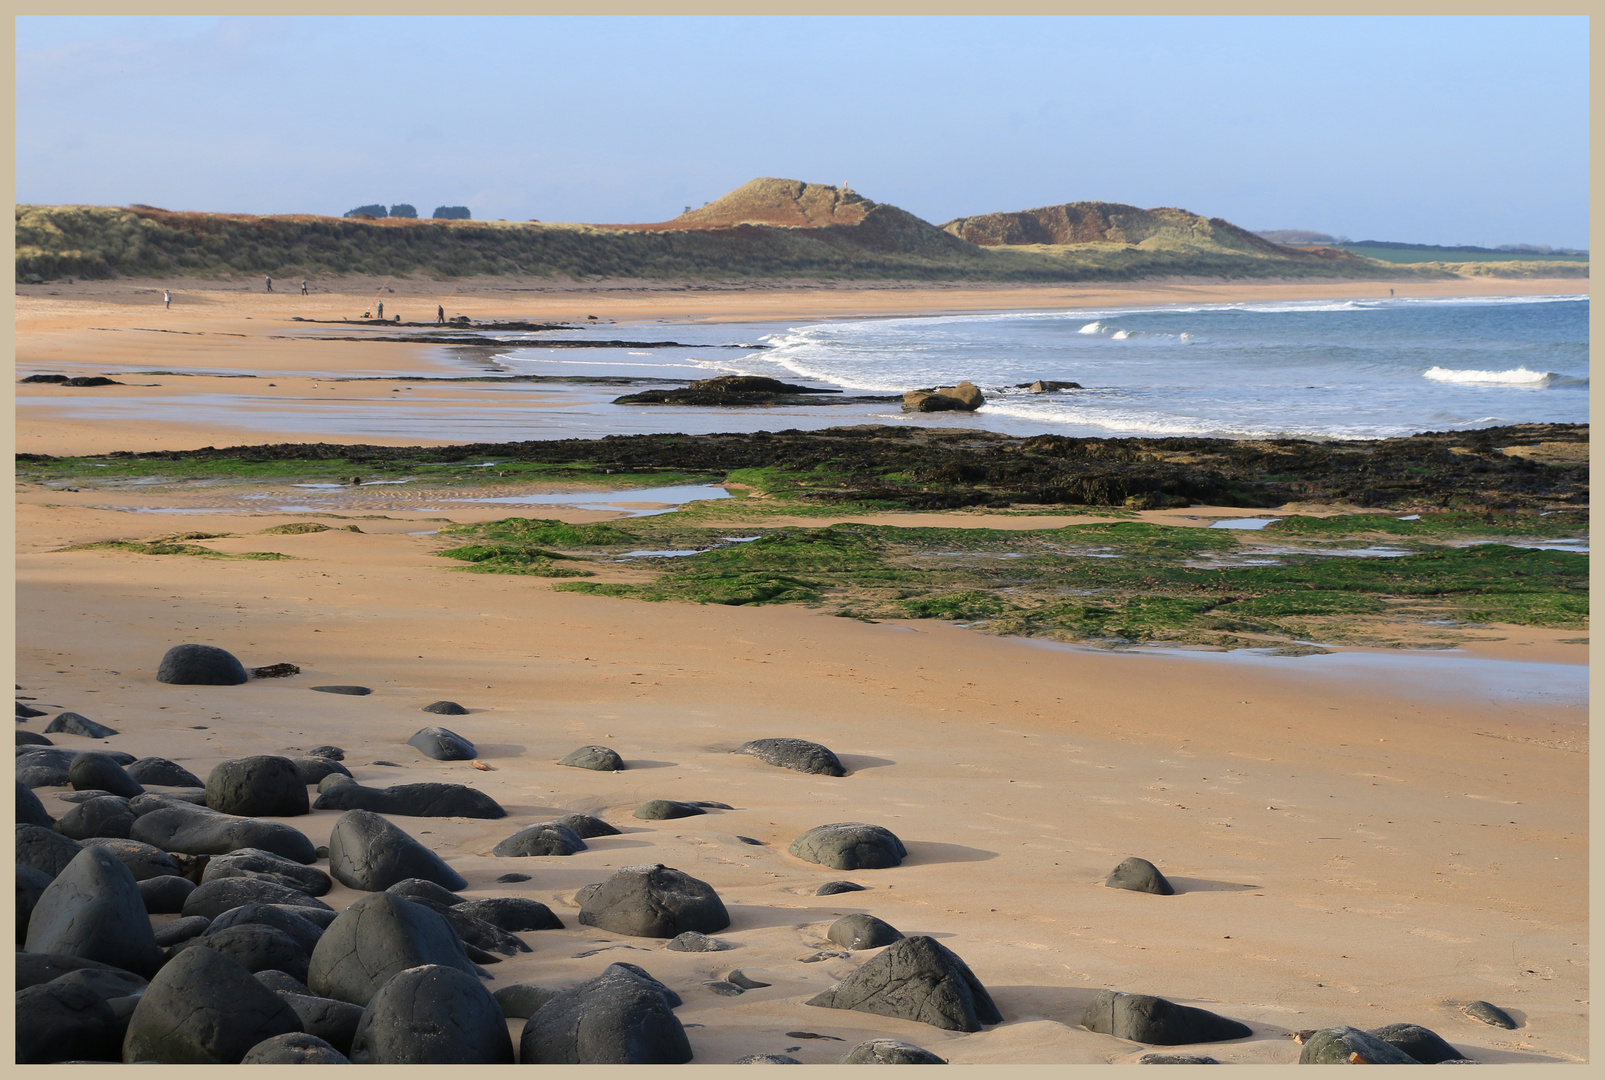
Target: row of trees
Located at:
point(407, 210)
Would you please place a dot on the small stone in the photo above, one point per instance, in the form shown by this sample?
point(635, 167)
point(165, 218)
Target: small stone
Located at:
point(1339, 1045)
point(1176, 1059)
point(546, 838)
point(596, 758)
point(586, 827)
point(275, 671)
point(509, 879)
point(1423, 1044)
point(1148, 1019)
point(1492, 1015)
point(831, 888)
point(349, 691)
point(799, 755)
point(918, 979)
point(692, 941)
point(333, 753)
point(654, 901)
point(163, 773)
point(745, 981)
point(74, 724)
point(665, 809)
point(445, 708)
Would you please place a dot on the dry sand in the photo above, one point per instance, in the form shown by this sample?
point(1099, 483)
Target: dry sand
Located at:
point(1346, 850)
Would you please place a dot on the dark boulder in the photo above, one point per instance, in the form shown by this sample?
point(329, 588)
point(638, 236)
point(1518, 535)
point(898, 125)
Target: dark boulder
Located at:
point(93, 909)
point(849, 845)
point(74, 724)
point(654, 901)
point(1176, 1059)
point(32, 738)
point(46, 850)
point(916, 979)
point(32, 968)
point(204, 1008)
point(585, 826)
point(93, 770)
point(831, 888)
point(481, 938)
point(315, 770)
point(595, 758)
point(1423, 1044)
point(143, 860)
point(799, 755)
point(621, 1017)
point(261, 786)
point(515, 914)
point(294, 1048)
point(746, 982)
point(105, 816)
point(195, 830)
point(183, 798)
point(420, 889)
point(165, 895)
point(65, 1021)
point(333, 1021)
point(523, 1000)
point(37, 772)
point(30, 811)
point(190, 926)
point(413, 800)
point(1340, 1045)
point(109, 983)
point(160, 772)
point(1491, 1015)
point(433, 1015)
point(547, 838)
point(347, 690)
point(1139, 875)
point(445, 708)
point(214, 897)
point(255, 946)
point(304, 932)
point(1148, 1019)
point(335, 779)
point(373, 940)
point(333, 753)
point(665, 809)
point(858, 932)
point(692, 941)
point(28, 712)
point(254, 862)
point(281, 983)
point(31, 883)
point(367, 852)
point(890, 1052)
point(443, 744)
point(200, 665)
point(766, 1059)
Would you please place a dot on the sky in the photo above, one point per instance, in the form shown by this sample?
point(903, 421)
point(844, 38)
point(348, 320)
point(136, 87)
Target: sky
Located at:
point(1434, 130)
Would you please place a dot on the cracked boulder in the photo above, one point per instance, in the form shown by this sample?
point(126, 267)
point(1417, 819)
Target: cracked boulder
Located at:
point(799, 755)
point(433, 1015)
point(367, 852)
point(1147, 1019)
point(93, 910)
point(375, 939)
point(654, 901)
point(916, 979)
point(621, 1017)
point(850, 845)
point(203, 1008)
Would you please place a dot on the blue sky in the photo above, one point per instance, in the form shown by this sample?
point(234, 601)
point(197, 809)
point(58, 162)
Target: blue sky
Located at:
point(1428, 130)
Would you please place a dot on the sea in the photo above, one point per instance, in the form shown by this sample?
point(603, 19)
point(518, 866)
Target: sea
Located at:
point(1350, 369)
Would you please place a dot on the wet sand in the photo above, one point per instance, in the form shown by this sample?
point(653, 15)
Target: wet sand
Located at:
point(1347, 849)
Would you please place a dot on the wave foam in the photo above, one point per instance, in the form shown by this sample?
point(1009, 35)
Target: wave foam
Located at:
point(1091, 328)
point(1514, 377)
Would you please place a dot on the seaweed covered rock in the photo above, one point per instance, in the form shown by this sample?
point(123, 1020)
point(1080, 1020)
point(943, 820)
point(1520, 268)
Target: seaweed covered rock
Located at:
point(433, 1015)
point(203, 1008)
point(850, 845)
point(200, 665)
point(621, 1017)
point(654, 901)
point(799, 755)
point(917, 979)
point(1148, 1019)
point(367, 852)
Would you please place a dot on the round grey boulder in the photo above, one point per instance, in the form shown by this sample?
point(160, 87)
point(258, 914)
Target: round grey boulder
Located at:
point(75, 724)
point(304, 932)
point(666, 809)
point(367, 852)
point(799, 755)
point(94, 770)
point(919, 979)
point(106, 815)
point(547, 838)
point(261, 786)
point(595, 758)
point(831, 888)
point(585, 826)
point(850, 845)
point(333, 1021)
point(692, 941)
point(654, 901)
point(1423, 1044)
point(621, 1017)
point(376, 938)
point(413, 800)
point(200, 665)
point(31, 884)
point(30, 811)
point(420, 889)
point(255, 946)
point(165, 895)
point(315, 770)
point(1338, 1045)
point(93, 909)
point(203, 1008)
point(190, 926)
point(44, 849)
point(160, 772)
point(890, 1052)
point(445, 708)
point(178, 826)
point(333, 753)
point(515, 914)
point(858, 932)
point(294, 1048)
point(1487, 1013)
point(1139, 875)
point(443, 744)
point(1148, 1019)
point(254, 862)
point(65, 1021)
point(143, 860)
point(213, 898)
point(345, 689)
point(433, 1015)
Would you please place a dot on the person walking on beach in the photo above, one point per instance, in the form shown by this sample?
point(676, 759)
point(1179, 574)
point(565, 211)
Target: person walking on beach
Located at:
point(381, 311)
point(303, 286)
point(440, 315)
point(269, 281)
point(167, 299)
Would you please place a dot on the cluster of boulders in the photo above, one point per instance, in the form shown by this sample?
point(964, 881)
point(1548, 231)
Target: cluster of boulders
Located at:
point(187, 925)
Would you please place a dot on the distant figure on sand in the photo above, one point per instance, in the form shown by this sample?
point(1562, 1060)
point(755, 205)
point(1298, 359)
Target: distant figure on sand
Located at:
point(269, 281)
point(1390, 292)
point(440, 315)
point(167, 299)
point(381, 311)
point(303, 286)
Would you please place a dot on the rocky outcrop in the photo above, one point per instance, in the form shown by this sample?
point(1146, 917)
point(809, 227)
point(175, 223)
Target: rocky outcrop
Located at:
point(964, 397)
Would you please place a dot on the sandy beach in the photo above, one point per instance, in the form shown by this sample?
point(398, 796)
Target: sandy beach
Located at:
point(1363, 842)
